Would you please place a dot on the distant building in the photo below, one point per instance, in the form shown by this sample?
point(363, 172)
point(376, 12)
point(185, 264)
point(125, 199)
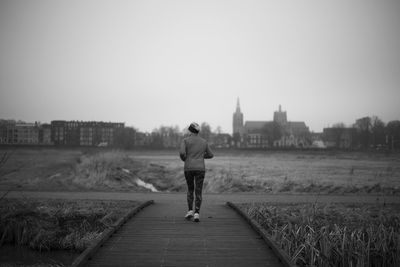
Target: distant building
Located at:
point(22, 133)
point(81, 133)
point(317, 140)
point(237, 124)
point(26, 133)
point(19, 133)
point(276, 133)
point(3, 133)
point(86, 133)
point(45, 134)
point(280, 116)
point(237, 127)
point(58, 132)
point(339, 137)
point(221, 140)
point(255, 135)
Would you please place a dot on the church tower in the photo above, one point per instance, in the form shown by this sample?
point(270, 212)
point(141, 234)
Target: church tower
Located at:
point(237, 119)
point(280, 116)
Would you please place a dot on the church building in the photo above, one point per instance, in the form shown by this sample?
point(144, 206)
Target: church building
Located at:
point(263, 134)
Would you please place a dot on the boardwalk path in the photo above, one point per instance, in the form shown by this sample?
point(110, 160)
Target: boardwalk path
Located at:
point(159, 236)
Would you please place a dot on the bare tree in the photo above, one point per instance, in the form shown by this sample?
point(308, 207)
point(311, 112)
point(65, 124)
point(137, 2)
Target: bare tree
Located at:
point(393, 134)
point(236, 139)
point(205, 131)
point(218, 130)
point(339, 125)
point(363, 126)
point(378, 131)
point(125, 137)
point(273, 131)
point(338, 131)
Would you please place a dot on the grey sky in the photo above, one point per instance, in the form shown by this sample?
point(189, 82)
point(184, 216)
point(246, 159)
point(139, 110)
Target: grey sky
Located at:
point(151, 63)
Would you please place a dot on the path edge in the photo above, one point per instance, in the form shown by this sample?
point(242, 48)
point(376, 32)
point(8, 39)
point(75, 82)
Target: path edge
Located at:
point(97, 243)
point(283, 257)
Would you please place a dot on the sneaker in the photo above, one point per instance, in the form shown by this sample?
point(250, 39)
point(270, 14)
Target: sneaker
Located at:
point(189, 215)
point(196, 217)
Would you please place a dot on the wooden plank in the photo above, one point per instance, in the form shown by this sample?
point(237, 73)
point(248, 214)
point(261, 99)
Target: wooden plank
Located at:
point(159, 236)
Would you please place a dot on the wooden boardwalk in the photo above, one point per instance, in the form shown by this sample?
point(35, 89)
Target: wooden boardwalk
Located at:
point(159, 236)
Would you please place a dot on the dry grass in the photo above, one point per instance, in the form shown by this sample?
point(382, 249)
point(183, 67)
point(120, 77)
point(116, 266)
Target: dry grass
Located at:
point(57, 224)
point(333, 235)
point(288, 172)
point(241, 171)
point(102, 171)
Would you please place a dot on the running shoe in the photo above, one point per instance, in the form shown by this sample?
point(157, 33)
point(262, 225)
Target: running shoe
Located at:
point(189, 215)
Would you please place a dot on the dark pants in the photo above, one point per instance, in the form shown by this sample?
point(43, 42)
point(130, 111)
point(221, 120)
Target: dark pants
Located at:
point(194, 181)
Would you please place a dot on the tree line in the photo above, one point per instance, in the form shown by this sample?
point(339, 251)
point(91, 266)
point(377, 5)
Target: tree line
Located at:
point(164, 136)
point(372, 132)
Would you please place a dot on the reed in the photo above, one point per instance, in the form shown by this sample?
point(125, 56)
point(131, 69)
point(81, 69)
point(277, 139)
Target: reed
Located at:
point(57, 224)
point(333, 235)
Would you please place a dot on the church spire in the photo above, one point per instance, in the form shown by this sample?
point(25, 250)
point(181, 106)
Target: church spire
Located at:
point(237, 119)
point(237, 105)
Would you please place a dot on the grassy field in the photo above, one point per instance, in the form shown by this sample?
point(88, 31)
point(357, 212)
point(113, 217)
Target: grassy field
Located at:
point(332, 234)
point(233, 171)
point(312, 234)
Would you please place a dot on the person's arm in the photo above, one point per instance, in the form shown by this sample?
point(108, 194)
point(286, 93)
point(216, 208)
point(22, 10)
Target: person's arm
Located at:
point(182, 151)
point(208, 153)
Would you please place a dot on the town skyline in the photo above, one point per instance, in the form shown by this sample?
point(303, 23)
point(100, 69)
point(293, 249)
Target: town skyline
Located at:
point(213, 128)
point(170, 63)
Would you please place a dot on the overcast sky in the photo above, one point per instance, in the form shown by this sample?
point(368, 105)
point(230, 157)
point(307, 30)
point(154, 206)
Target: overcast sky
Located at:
point(150, 63)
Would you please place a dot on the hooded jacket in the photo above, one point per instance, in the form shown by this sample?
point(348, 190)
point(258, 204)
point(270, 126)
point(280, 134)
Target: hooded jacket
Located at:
point(193, 151)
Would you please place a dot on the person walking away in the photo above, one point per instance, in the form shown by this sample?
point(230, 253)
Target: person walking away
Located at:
point(193, 151)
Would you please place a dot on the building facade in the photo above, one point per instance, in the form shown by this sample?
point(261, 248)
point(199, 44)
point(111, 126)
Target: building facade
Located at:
point(58, 132)
point(26, 133)
point(276, 133)
point(45, 134)
point(82, 133)
point(22, 133)
point(19, 133)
